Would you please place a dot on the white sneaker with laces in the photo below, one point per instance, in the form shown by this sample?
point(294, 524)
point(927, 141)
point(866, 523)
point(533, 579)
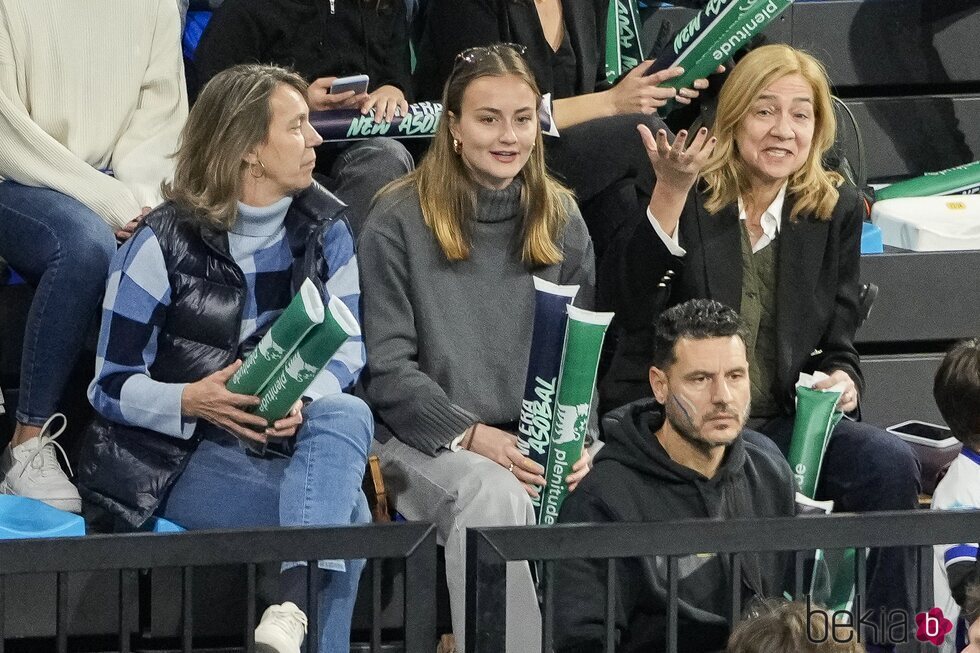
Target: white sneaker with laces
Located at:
point(31, 470)
point(281, 629)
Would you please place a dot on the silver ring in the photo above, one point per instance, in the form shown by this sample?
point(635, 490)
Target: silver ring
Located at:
point(511, 468)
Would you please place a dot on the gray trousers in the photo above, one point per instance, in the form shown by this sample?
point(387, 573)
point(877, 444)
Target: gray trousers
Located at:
point(456, 491)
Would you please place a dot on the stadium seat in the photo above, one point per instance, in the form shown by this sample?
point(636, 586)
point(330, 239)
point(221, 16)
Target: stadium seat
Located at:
point(22, 518)
point(866, 299)
point(161, 525)
point(871, 242)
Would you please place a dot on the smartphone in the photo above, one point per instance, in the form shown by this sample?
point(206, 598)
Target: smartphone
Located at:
point(356, 83)
point(924, 433)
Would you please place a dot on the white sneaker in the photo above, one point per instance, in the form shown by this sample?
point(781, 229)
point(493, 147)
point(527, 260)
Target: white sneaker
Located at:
point(31, 470)
point(281, 629)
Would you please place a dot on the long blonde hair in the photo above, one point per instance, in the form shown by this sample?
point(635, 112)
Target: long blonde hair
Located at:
point(814, 187)
point(447, 191)
point(230, 118)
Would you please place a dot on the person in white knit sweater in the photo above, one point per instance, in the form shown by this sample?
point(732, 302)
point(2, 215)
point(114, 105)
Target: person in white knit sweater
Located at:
point(92, 99)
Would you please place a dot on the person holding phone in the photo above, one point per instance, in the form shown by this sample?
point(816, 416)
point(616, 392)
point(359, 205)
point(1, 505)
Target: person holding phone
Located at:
point(188, 297)
point(564, 42)
point(324, 41)
point(356, 84)
point(447, 259)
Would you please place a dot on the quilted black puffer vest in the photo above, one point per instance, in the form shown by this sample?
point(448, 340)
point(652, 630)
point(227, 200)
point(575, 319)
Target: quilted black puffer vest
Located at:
point(125, 471)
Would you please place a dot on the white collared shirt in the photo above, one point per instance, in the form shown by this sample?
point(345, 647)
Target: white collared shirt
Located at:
point(771, 222)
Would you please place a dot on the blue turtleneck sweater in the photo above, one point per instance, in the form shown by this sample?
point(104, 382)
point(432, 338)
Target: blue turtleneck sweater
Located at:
point(138, 293)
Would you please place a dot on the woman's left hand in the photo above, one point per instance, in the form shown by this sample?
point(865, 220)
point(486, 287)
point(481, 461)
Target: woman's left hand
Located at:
point(688, 95)
point(124, 234)
point(676, 165)
point(288, 425)
point(579, 470)
point(385, 100)
point(849, 398)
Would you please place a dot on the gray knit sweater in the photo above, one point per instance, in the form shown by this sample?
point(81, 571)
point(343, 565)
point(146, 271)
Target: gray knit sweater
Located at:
point(448, 343)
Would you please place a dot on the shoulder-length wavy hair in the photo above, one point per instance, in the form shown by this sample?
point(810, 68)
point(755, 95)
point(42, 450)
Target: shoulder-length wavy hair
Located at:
point(814, 187)
point(447, 190)
point(230, 118)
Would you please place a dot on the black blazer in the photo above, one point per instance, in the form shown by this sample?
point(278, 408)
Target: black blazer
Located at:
point(454, 25)
point(817, 290)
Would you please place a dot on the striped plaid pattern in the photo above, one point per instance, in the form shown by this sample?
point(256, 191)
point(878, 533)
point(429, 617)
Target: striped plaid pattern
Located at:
point(135, 306)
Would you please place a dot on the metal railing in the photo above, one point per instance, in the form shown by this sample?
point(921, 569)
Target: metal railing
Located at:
point(489, 549)
point(415, 543)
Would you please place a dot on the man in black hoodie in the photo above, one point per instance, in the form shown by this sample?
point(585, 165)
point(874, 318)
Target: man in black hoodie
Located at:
point(683, 455)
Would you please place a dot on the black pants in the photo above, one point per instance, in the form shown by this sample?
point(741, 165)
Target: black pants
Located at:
point(356, 171)
point(867, 469)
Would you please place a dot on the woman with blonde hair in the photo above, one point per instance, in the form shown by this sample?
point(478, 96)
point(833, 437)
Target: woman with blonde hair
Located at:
point(191, 294)
point(748, 216)
point(448, 312)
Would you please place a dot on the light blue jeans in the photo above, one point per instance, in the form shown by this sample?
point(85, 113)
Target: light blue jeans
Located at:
point(63, 249)
point(319, 485)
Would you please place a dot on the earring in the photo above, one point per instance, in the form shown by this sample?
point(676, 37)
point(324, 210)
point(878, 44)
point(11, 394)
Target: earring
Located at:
point(251, 169)
point(457, 146)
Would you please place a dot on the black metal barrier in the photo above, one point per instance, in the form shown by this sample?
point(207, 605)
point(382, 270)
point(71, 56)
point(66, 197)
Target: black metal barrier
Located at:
point(489, 549)
point(415, 543)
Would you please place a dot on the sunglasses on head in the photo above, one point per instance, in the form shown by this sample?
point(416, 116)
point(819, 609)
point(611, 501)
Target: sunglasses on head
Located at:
point(474, 55)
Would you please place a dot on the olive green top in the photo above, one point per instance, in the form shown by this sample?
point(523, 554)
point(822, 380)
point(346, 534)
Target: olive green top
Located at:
point(758, 311)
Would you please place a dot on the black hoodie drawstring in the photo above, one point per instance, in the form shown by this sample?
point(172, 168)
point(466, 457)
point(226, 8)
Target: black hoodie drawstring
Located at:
point(735, 506)
point(751, 566)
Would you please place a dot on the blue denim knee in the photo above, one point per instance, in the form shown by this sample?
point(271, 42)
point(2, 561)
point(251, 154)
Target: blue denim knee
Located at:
point(358, 420)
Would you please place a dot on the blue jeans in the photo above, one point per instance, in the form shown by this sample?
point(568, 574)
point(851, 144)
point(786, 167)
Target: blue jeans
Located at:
point(319, 485)
point(63, 249)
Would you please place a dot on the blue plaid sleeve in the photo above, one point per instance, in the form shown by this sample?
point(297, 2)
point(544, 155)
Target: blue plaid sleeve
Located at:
point(345, 367)
point(136, 300)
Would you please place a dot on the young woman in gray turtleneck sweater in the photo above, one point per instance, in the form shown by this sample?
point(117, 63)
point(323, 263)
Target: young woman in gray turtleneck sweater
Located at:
point(446, 262)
